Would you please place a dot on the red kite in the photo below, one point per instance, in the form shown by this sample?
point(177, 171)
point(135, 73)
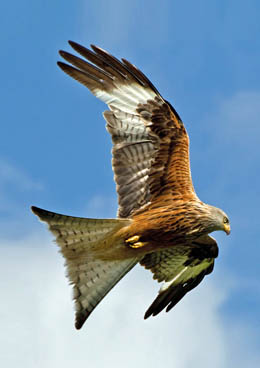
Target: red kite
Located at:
point(161, 223)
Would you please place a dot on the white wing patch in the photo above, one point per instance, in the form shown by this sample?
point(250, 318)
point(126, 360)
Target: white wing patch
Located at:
point(177, 278)
point(188, 272)
point(124, 89)
point(124, 97)
point(182, 268)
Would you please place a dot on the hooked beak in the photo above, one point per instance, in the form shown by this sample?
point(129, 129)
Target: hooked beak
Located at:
point(227, 229)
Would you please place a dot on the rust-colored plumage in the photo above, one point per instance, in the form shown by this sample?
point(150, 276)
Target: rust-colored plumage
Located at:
point(161, 222)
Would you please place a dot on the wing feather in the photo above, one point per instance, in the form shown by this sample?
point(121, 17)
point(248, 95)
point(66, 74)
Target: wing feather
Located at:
point(182, 268)
point(150, 143)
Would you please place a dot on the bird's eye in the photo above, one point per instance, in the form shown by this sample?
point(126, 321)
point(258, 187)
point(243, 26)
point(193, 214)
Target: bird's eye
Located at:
point(225, 220)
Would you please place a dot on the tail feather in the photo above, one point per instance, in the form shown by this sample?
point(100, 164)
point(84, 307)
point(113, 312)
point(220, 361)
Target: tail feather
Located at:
point(76, 232)
point(92, 281)
point(80, 240)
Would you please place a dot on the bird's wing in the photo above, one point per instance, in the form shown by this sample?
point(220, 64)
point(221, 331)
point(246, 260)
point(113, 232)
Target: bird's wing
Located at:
point(182, 268)
point(150, 143)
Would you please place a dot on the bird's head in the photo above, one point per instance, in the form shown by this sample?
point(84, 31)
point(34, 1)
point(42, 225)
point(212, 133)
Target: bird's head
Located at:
point(219, 220)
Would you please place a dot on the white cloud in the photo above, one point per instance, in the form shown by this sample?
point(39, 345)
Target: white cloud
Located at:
point(37, 319)
point(230, 157)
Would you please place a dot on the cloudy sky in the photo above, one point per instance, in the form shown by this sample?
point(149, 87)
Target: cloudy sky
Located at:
point(204, 57)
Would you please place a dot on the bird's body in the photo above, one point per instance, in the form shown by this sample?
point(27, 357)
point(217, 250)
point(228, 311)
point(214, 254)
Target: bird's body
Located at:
point(161, 222)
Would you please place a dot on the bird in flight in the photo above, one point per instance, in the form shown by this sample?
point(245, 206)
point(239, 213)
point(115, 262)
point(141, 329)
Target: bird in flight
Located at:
point(161, 223)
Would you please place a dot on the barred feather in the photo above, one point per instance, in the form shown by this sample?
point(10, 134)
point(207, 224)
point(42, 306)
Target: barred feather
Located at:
point(151, 146)
point(81, 241)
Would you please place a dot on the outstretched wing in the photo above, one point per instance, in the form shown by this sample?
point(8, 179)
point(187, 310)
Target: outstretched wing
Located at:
point(150, 143)
point(182, 268)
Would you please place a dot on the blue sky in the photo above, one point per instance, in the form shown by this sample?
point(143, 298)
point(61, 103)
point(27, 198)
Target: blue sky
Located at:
point(204, 57)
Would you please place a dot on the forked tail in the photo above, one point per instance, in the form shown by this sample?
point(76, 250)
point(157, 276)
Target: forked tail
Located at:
point(79, 240)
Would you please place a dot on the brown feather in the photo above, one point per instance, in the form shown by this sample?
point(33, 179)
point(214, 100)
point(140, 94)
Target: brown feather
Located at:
point(183, 267)
point(166, 171)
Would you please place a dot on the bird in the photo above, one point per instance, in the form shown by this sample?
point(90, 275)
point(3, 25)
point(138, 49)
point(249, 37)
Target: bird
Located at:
point(161, 223)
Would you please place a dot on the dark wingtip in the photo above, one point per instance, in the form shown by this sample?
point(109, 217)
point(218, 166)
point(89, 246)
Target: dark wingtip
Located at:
point(151, 311)
point(77, 47)
point(67, 56)
point(63, 66)
point(61, 52)
point(147, 315)
point(71, 43)
point(95, 48)
point(74, 45)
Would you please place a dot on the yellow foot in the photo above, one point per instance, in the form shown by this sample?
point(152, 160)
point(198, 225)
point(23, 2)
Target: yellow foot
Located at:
point(138, 245)
point(134, 243)
point(133, 239)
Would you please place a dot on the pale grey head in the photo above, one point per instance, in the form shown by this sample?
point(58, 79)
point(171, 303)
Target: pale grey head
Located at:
point(218, 220)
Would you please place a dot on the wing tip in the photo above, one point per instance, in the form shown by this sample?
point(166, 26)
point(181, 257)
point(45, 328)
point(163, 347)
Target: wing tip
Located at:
point(154, 309)
point(62, 53)
point(74, 45)
point(147, 314)
point(62, 65)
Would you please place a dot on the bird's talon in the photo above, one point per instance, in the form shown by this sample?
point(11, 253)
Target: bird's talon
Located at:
point(134, 243)
point(133, 239)
point(137, 245)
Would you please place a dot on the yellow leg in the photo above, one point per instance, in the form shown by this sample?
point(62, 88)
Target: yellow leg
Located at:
point(134, 243)
point(138, 245)
point(133, 239)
